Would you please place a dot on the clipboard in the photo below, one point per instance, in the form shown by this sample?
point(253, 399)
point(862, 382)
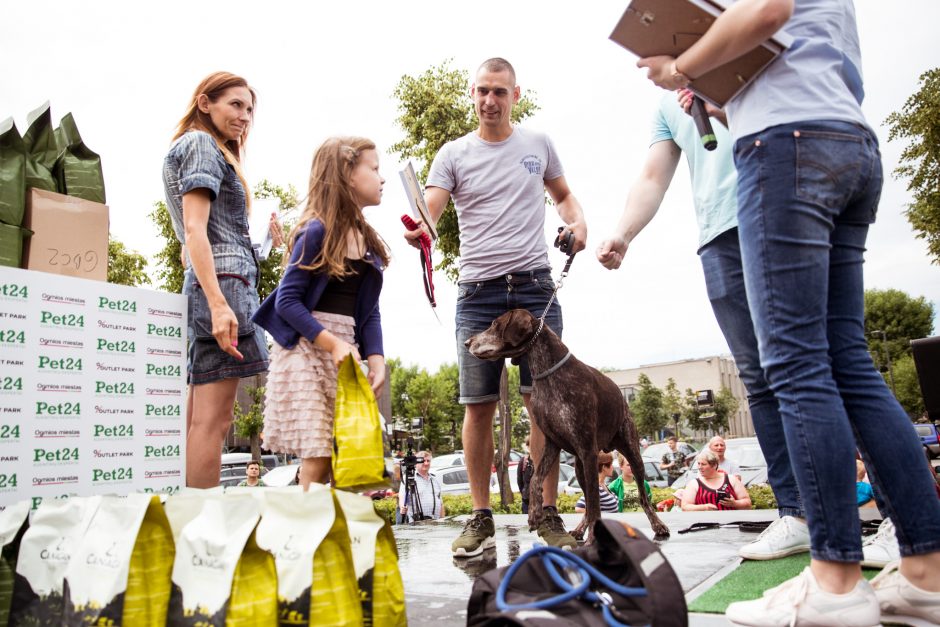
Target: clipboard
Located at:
point(416, 198)
point(669, 27)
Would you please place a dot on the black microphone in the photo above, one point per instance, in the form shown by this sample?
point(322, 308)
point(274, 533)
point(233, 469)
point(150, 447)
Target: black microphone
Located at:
point(703, 123)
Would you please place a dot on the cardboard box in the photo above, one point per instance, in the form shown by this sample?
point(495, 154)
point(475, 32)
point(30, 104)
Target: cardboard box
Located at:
point(70, 235)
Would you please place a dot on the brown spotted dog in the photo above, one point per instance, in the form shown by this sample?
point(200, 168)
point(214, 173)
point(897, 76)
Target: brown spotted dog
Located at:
point(576, 407)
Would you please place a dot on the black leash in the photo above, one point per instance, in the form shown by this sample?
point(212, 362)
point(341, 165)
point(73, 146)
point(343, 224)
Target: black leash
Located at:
point(564, 244)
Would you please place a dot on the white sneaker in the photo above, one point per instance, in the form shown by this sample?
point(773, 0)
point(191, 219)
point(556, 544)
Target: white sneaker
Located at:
point(881, 549)
point(786, 536)
point(903, 602)
point(800, 601)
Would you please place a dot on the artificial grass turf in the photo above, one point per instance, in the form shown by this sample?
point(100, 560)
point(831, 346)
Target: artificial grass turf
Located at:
point(751, 579)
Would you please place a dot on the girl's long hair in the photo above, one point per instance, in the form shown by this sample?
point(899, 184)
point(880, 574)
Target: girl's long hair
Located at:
point(330, 199)
point(213, 86)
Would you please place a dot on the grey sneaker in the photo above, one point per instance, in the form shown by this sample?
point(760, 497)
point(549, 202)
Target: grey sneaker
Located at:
point(882, 548)
point(903, 602)
point(553, 533)
point(477, 536)
point(786, 536)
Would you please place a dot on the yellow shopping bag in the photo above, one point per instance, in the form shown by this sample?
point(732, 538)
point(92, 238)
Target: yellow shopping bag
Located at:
point(357, 434)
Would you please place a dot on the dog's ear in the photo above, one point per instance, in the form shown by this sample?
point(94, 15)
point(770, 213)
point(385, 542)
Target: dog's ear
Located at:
point(519, 327)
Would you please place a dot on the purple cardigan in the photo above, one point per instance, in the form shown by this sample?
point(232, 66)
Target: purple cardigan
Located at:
point(285, 314)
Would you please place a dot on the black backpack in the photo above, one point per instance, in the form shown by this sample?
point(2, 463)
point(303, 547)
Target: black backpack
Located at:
point(631, 584)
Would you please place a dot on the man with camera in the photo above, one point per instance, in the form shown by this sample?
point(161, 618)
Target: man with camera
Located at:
point(498, 175)
point(426, 490)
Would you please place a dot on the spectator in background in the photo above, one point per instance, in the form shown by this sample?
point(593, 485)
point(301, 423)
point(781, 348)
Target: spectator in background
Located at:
point(626, 489)
point(253, 475)
point(673, 461)
point(605, 470)
point(863, 492)
point(713, 489)
point(524, 472)
point(428, 488)
point(717, 446)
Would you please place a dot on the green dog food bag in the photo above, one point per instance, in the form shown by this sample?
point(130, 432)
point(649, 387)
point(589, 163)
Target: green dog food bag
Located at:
point(41, 149)
point(375, 557)
point(12, 174)
point(121, 571)
point(220, 576)
point(14, 520)
point(53, 537)
point(77, 169)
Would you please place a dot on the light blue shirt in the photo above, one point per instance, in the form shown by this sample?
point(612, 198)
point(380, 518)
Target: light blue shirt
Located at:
point(714, 179)
point(819, 77)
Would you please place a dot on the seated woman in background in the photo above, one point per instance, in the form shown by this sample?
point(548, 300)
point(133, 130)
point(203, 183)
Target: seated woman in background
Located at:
point(863, 491)
point(626, 489)
point(605, 470)
point(713, 489)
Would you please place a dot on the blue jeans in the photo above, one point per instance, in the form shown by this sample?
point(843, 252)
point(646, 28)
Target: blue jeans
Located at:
point(807, 193)
point(724, 280)
point(479, 303)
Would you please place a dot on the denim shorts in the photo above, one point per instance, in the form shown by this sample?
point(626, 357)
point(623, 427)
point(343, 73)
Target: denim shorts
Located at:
point(207, 362)
point(481, 302)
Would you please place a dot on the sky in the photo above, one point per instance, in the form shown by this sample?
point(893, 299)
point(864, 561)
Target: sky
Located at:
point(126, 71)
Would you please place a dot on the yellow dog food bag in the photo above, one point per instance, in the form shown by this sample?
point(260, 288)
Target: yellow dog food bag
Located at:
point(358, 461)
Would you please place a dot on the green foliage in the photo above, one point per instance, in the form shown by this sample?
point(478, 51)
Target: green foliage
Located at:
point(648, 407)
point(169, 264)
point(272, 268)
point(918, 122)
point(901, 317)
point(434, 108)
point(433, 397)
point(249, 423)
point(713, 417)
point(672, 401)
point(126, 267)
point(907, 386)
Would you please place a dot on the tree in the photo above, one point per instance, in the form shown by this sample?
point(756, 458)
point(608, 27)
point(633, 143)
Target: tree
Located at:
point(126, 267)
point(169, 265)
point(892, 319)
point(919, 123)
point(712, 417)
point(648, 408)
point(435, 108)
point(249, 423)
point(907, 387)
point(672, 402)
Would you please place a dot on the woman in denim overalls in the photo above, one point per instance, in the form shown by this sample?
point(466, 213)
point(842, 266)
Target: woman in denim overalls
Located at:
point(208, 200)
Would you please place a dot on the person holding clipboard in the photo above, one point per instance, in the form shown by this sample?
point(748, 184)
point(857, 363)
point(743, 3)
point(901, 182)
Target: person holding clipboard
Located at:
point(809, 181)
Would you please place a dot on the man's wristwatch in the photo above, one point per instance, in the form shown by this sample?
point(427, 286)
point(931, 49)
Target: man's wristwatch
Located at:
point(678, 77)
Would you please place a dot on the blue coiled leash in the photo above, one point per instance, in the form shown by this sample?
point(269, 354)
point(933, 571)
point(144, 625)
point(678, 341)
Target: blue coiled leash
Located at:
point(552, 559)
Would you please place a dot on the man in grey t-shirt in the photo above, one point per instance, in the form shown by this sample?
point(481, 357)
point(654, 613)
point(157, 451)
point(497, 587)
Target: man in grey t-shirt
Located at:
point(497, 176)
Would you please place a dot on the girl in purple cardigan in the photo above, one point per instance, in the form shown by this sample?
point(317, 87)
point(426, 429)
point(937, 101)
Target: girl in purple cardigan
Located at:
point(326, 306)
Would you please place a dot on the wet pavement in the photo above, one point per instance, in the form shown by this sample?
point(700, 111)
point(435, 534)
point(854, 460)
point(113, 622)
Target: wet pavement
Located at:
point(437, 585)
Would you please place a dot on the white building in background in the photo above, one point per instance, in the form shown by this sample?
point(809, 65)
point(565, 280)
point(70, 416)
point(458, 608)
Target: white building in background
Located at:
point(706, 373)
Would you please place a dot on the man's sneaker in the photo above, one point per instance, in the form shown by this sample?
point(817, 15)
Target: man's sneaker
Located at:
point(477, 535)
point(786, 536)
point(800, 601)
point(553, 533)
point(882, 548)
point(903, 602)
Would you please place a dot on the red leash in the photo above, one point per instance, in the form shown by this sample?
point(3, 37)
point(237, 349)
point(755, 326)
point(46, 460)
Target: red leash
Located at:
point(426, 265)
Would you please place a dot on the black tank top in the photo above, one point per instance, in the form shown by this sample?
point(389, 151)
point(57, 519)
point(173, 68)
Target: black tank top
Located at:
point(339, 296)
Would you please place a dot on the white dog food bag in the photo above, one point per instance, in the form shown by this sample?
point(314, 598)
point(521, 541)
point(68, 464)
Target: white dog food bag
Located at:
point(375, 558)
point(120, 573)
point(56, 530)
point(220, 575)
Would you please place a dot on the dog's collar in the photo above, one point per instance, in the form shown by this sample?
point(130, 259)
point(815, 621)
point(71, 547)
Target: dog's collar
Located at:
point(561, 362)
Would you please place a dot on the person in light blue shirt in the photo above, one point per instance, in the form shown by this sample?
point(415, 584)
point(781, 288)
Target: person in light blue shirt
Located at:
point(809, 183)
point(714, 196)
